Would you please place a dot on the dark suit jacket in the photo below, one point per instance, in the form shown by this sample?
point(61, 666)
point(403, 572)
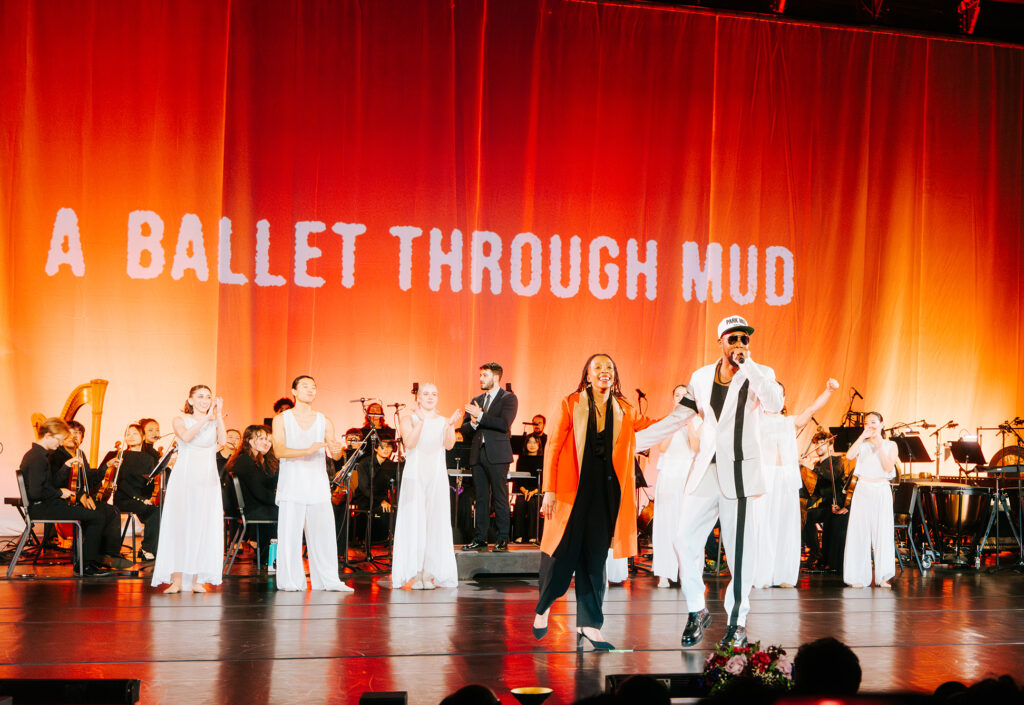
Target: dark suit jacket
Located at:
point(493, 432)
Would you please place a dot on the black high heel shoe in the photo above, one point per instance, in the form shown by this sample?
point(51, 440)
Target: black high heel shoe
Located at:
point(539, 632)
point(598, 645)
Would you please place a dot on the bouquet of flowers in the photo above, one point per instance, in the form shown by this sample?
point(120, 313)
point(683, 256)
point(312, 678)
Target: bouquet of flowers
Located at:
point(770, 666)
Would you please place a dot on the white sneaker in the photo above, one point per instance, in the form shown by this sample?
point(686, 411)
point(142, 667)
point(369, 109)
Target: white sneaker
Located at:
point(340, 587)
point(664, 583)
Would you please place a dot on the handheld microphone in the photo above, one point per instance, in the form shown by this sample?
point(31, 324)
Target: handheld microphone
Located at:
point(856, 394)
point(415, 388)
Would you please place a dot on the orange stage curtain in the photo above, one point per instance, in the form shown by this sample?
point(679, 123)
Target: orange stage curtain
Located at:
point(886, 169)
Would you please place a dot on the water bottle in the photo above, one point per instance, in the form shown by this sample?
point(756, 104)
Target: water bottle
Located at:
point(272, 557)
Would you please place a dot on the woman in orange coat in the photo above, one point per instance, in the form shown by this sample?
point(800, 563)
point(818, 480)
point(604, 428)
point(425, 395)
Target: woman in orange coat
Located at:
point(589, 498)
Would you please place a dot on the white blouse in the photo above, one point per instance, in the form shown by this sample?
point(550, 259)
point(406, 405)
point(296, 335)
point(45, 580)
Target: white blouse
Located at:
point(869, 463)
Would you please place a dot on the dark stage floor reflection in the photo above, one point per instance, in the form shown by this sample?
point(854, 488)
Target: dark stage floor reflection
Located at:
point(246, 643)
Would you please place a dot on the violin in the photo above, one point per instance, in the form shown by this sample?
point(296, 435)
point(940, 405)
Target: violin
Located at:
point(109, 483)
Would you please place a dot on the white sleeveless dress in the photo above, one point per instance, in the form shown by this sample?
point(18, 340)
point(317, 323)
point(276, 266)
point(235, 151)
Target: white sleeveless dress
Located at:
point(423, 530)
point(192, 520)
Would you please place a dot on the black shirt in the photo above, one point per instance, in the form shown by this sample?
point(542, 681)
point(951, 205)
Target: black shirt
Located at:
point(383, 474)
point(718, 394)
point(61, 471)
point(259, 488)
point(35, 466)
point(823, 487)
point(531, 464)
point(133, 480)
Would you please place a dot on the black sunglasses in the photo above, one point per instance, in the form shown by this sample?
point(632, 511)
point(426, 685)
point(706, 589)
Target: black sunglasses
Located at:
point(732, 339)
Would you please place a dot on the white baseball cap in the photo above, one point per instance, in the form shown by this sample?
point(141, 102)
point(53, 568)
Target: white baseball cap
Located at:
point(730, 323)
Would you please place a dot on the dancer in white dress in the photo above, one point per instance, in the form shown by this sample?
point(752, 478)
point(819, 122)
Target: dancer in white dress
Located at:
point(871, 521)
point(191, 550)
point(776, 513)
point(303, 438)
point(677, 454)
point(424, 551)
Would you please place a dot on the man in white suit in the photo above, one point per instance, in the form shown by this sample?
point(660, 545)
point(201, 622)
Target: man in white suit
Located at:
point(731, 395)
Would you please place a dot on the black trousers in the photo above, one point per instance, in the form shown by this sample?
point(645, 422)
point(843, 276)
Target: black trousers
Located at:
point(491, 483)
point(101, 527)
point(147, 514)
point(817, 515)
point(524, 517)
point(556, 573)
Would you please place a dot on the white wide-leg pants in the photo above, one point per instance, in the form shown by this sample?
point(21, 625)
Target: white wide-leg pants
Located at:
point(870, 531)
point(321, 545)
point(777, 515)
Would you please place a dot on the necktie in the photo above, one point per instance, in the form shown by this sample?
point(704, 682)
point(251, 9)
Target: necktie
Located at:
point(487, 402)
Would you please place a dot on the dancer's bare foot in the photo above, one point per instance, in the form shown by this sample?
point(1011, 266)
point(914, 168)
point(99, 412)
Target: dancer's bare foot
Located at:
point(198, 588)
point(172, 590)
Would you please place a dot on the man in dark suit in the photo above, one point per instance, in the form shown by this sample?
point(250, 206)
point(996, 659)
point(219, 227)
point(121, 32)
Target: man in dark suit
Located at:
point(489, 419)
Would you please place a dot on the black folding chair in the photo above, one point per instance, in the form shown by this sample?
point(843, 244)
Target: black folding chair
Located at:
point(243, 524)
point(29, 522)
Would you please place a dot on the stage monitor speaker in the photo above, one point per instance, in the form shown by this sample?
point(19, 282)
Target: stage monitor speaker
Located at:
point(71, 691)
point(680, 685)
point(398, 697)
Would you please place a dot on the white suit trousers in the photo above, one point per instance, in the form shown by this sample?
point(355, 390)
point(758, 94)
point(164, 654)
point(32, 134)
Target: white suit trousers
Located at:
point(870, 531)
point(321, 545)
point(698, 513)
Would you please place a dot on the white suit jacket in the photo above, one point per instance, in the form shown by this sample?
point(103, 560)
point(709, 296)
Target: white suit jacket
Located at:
point(734, 439)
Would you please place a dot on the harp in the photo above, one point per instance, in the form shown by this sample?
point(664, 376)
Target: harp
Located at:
point(91, 393)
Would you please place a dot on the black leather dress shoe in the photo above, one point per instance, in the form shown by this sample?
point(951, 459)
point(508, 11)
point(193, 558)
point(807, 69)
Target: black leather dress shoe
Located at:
point(95, 570)
point(500, 547)
point(117, 562)
point(475, 545)
point(734, 636)
point(695, 625)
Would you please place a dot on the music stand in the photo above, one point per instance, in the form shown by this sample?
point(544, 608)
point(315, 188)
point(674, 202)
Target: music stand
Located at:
point(845, 436)
point(160, 469)
point(967, 452)
point(911, 449)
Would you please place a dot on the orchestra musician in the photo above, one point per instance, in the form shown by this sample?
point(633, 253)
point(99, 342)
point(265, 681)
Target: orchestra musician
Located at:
point(134, 493)
point(372, 481)
point(255, 466)
point(150, 436)
point(49, 500)
point(527, 491)
point(828, 504)
point(69, 459)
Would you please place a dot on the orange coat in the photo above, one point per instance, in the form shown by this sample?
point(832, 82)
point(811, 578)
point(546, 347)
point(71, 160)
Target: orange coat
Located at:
point(562, 469)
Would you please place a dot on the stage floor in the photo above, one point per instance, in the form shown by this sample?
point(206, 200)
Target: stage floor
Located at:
point(246, 643)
